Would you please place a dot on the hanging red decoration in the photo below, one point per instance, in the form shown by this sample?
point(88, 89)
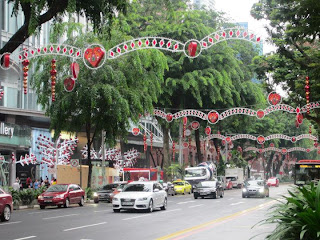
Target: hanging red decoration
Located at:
point(53, 73)
point(185, 121)
point(307, 89)
point(190, 143)
point(151, 140)
point(208, 130)
point(310, 129)
point(1, 93)
point(25, 64)
point(173, 150)
point(144, 143)
point(218, 153)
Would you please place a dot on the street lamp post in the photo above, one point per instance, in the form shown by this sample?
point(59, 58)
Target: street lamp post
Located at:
point(103, 157)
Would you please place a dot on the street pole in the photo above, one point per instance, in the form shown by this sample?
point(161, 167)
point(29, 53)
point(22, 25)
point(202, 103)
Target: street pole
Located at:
point(103, 158)
point(180, 143)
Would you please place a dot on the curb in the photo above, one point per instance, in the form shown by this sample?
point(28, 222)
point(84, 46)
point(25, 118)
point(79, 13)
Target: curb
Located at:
point(25, 207)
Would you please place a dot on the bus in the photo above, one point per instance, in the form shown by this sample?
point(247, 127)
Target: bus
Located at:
point(306, 171)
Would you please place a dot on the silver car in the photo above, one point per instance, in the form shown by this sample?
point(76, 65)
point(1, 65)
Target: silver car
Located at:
point(255, 188)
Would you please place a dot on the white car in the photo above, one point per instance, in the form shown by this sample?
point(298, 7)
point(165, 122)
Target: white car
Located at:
point(141, 196)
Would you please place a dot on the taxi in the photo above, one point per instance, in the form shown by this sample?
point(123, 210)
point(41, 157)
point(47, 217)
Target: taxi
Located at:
point(182, 187)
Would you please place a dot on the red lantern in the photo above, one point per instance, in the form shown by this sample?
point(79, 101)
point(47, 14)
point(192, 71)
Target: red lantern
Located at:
point(25, 64)
point(144, 143)
point(53, 73)
point(307, 90)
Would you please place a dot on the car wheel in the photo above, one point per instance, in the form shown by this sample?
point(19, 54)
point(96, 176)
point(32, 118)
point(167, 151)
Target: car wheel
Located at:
point(214, 195)
point(164, 207)
point(244, 196)
point(59, 206)
point(116, 210)
point(6, 215)
point(81, 203)
point(173, 194)
point(96, 200)
point(67, 204)
point(195, 197)
point(184, 192)
point(268, 194)
point(202, 197)
point(150, 209)
point(42, 207)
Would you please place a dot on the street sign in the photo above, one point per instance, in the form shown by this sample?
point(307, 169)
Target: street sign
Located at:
point(74, 162)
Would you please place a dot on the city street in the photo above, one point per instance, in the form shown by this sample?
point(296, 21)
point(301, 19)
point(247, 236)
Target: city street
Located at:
point(231, 217)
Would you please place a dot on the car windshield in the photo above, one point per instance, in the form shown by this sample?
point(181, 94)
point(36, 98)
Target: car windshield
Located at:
point(254, 183)
point(108, 187)
point(58, 188)
point(178, 183)
point(137, 188)
point(231, 178)
point(195, 172)
point(206, 184)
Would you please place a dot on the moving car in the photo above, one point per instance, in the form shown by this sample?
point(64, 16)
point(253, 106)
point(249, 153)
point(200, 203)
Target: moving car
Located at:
point(6, 206)
point(105, 193)
point(141, 196)
point(255, 188)
point(273, 181)
point(169, 188)
point(223, 181)
point(181, 186)
point(212, 188)
point(228, 184)
point(61, 194)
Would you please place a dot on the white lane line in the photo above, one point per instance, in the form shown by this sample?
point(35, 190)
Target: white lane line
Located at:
point(173, 210)
point(145, 215)
point(170, 201)
point(232, 204)
point(85, 226)
point(217, 201)
point(45, 211)
point(230, 199)
point(185, 202)
point(60, 216)
point(9, 223)
point(25, 238)
point(102, 211)
point(196, 206)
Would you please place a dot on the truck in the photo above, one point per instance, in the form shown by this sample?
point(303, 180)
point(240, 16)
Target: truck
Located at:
point(235, 175)
point(202, 172)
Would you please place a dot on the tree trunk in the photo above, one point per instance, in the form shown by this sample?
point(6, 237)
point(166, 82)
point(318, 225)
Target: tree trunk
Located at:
point(166, 159)
point(199, 155)
point(268, 169)
point(88, 132)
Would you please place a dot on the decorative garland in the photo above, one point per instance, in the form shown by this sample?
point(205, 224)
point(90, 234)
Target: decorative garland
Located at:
point(261, 139)
point(1, 93)
point(281, 150)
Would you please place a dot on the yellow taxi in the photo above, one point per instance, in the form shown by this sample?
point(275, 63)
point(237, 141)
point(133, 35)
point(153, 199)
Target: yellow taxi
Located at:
point(181, 186)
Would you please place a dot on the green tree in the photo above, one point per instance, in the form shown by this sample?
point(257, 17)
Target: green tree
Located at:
point(105, 98)
point(99, 13)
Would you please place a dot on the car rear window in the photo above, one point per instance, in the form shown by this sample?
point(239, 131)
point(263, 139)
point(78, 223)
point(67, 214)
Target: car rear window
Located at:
point(58, 188)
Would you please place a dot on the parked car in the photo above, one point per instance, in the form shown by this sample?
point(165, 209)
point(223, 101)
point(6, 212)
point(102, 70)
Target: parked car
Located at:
point(140, 196)
point(61, 195)
point(212, 188)
point(105, 193)
point(6, 205)
point(169, 187)
point(181, 186)
point(273, 181)
point(255, 188)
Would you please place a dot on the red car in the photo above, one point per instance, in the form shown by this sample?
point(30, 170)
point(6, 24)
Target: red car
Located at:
point(61, 194)
point(5, 205)
point(273, 181)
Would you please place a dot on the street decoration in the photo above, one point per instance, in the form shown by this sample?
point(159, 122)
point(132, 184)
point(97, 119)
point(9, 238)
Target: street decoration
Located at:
point(185, 122)
point(25, 64)
point(53, 73)
point(56, 152)
point(307, 89)
point(27, 159)
point(281, 150)
point(145, 142)
point(261, 139)
point(151, 141)
point(1, 93)
point(207, 130)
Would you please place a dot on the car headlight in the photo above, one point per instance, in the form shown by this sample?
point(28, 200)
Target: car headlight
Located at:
point(213, 190)
point(59, 196)
point(95, 194)
point(115, 199)
point(40, 197)
point(261, 190)
point(244, 190)
point(142, 199)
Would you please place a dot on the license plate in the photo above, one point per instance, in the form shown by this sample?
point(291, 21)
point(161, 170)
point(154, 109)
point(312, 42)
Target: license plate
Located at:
point(127, 203)
point(47, 200)
point(203, 193)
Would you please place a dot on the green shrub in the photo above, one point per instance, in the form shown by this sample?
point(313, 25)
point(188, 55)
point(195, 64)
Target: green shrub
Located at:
point(15, 196)
point(26, 196)
point(37, 192)
point(89, 193)
point(298, 217)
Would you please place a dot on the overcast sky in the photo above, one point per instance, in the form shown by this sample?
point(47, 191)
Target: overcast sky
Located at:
point(239, 11)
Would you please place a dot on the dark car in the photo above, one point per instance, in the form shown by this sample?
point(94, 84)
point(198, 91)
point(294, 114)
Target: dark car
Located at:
point(208, 189)
point(255, 188)
point(105, 193)
point(169, 187)
point(5, 205)
point(62, 195)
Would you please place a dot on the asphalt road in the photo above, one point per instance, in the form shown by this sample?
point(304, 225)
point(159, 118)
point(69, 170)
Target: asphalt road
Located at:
point(231, 217)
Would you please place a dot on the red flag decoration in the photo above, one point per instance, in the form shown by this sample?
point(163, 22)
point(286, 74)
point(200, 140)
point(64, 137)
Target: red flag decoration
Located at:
point(307, 89)
point(144, 143)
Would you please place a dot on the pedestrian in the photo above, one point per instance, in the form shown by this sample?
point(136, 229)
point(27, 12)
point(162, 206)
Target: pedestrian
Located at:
point(36, 184)
point(54, 182)
point(43, 183)
point(28, 181)
point(47, 181)
point(16, 185)
point(18, 180)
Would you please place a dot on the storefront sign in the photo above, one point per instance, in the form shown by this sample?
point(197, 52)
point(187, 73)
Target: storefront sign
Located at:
point(8, 131)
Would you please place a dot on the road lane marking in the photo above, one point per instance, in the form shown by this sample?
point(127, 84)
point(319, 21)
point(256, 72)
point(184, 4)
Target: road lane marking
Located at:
point(201, 227)
point(185, 202)
point(232, 204)
point(173, 210)
point(145, 215)
point(196, 206)
point(60, 216)
point(85, 226)
point(9, 223)
point(45, 211)
point(25, 238)
point(102, 211)
point(230, 199)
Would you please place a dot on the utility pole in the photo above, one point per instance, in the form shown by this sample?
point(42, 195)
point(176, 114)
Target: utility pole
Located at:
point(103, 157)
point(180, 143)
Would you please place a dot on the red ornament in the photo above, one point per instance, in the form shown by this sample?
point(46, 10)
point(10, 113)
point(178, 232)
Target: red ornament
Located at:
point(94, 56)
point(274, 98)
point(173, 150)
point(135, 131)
point(25, 63)
point(145, 143)
point(192, 48)
point(151, 140)
point(69, 84)
point(307, 90)
point(195, 125)
point(260, 114)
point(6, 60)
point(53, 73)
point(208, 130)
point(169, 117)
point(213, 117)
point(261, 139)
point(74, 67)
